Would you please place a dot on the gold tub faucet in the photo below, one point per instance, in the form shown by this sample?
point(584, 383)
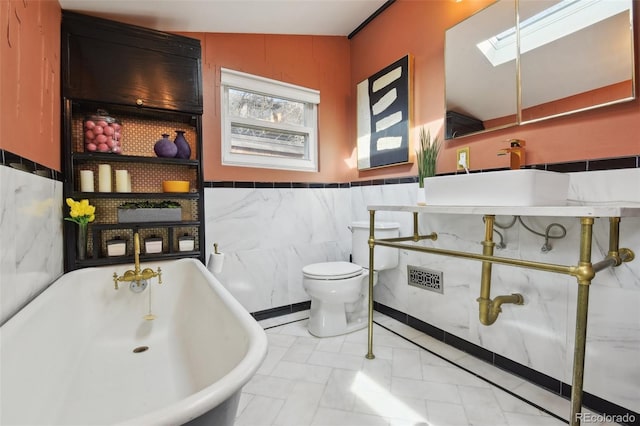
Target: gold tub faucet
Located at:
point(138, 276)
point(516, 153)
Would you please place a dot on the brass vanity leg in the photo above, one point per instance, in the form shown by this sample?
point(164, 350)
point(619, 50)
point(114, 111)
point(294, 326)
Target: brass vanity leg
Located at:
point(585, 275)
point(372, 222)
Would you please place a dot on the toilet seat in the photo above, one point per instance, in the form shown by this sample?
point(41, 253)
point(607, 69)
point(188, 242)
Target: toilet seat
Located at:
point(332, 270)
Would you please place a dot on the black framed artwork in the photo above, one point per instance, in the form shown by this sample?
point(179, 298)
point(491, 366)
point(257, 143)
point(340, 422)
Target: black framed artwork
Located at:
point(384, 116)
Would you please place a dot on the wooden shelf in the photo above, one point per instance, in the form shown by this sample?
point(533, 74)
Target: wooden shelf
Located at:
point(80, 157)
point(137, 195)
point(136, 225)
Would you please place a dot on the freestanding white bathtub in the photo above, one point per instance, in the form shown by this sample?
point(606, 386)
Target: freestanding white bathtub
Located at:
point(76, 354)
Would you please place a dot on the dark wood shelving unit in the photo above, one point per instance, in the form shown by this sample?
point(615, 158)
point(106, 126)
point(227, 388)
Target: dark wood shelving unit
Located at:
point(156, 89)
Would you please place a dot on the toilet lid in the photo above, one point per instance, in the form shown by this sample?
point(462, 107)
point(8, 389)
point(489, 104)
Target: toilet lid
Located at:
point(332, 270)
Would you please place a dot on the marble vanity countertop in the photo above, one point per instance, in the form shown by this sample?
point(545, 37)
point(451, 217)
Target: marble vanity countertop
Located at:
point(622, 209)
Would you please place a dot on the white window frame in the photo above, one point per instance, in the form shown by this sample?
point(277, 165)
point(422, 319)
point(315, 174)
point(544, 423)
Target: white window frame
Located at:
point(247, 82)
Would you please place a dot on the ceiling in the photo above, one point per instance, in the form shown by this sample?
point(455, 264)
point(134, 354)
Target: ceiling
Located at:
point(304, 17)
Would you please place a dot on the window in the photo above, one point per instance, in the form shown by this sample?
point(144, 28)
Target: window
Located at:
point(268, 123)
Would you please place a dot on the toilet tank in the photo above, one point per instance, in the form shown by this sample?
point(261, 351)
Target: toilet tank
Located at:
point(384, 257)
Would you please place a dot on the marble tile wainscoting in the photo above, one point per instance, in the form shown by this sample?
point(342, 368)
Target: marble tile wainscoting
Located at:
point(268, 233)
point(31, 232)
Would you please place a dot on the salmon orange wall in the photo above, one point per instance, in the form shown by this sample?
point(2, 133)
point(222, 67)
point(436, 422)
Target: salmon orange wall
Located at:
point(30, 80)
point(30, 94)
point(316, 62)
point(417, 28)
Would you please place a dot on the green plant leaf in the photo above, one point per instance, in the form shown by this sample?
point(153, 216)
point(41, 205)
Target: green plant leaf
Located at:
point(427, 155)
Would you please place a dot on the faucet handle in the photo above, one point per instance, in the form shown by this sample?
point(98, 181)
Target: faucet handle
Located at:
point(159, 275)
point(115, 280)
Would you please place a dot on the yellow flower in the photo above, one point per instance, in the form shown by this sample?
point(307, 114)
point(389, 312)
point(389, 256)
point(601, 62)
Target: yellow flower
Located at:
point(81, 212)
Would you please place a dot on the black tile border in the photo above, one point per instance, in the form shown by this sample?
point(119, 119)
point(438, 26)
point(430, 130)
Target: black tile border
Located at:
point(553, 385)
point(541, 379)
point(630, 162)
point(274, 185)
point(281, 310)
point(613, 163)
point(578, 166)
point(17, 162)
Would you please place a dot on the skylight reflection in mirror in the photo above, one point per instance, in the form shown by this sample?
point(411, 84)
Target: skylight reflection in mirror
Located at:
point(560, 20)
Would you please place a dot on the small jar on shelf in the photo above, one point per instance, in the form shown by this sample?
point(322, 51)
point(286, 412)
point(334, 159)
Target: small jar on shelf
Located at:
point(116, 247)
point(186, 243)
point(153, 244)
point(102, 133)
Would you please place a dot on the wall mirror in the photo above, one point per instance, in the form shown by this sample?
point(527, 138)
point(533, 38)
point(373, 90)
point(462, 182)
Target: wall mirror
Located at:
point(517, 62)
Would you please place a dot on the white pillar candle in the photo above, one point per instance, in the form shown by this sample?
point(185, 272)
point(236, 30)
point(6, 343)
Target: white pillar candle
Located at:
point(104, 178)
point(86, 181)
point(122, 181)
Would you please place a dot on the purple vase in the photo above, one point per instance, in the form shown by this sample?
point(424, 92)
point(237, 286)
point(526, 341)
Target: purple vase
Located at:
point(184, 150)
point(165, 148)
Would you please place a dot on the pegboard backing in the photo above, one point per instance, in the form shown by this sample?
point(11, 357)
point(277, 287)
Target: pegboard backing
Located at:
point(144, 177)
point(139, 135)
point(107, 209)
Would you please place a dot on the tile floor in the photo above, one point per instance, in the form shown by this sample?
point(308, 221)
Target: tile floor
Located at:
point(305, 380)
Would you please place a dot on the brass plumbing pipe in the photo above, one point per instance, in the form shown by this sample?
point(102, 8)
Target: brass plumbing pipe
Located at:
point(625, 255)
point(488, 310)
point(137, 275)
point(582, 308)
point(416, 235)
point(614, 257)
point(549, 267)
point(372, 221)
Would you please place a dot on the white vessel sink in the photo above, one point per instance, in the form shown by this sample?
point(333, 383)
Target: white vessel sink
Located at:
point(524, 187)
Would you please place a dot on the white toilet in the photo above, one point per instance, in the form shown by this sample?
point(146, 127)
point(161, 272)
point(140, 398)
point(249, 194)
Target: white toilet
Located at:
point(340, 290)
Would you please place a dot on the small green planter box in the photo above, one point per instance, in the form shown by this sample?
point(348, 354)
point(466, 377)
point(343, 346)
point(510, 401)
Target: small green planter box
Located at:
point(149, 215)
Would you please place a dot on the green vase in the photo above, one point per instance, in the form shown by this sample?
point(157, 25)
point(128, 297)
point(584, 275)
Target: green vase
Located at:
point(81, 242)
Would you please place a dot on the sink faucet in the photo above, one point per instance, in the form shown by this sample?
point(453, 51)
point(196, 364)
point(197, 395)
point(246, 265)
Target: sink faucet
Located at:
point(137, 276)
point(516, 153)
